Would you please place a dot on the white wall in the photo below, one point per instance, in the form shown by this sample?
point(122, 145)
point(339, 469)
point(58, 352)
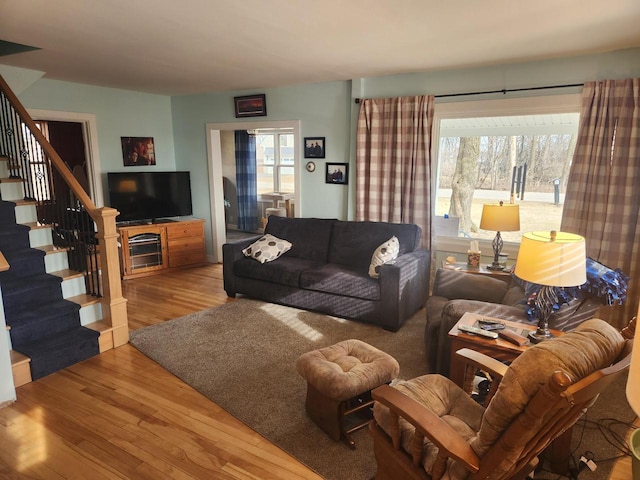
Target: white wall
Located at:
point(7, 388)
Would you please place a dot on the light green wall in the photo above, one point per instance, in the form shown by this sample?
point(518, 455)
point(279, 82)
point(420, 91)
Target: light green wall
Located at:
point(119, 113)
point(323, 110)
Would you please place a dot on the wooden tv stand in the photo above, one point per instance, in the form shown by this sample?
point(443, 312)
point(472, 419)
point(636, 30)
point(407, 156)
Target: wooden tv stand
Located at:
point(149, 249)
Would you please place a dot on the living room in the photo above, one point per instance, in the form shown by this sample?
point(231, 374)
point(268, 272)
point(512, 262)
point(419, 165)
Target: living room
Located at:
point(323, 109)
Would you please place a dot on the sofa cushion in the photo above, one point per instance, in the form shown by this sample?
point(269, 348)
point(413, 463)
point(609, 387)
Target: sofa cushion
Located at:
point(286, 270)
point(353, 243)
point(267, 248)
point(309, 237)
point(385, 253)
point(337, 279)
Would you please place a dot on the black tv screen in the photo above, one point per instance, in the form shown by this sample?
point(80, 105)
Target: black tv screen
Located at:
point(149, 195)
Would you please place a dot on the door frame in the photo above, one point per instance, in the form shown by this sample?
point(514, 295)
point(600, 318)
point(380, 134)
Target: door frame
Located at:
point(91, 153)
point(214, 162)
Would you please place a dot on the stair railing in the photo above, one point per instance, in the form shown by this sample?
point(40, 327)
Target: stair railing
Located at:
point(88, 233)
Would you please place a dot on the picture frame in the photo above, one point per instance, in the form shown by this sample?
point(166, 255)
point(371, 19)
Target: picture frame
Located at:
point(314, 147)
point(337, 173)
point(251, 105)
point(138, 151)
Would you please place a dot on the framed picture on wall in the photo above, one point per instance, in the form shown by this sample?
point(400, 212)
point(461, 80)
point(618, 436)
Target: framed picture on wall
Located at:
point(138, 151)
point(314, 147)
point(337, 173)
point(251, 106)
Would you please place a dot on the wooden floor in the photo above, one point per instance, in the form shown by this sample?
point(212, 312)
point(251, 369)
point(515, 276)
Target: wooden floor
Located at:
point(120, 415)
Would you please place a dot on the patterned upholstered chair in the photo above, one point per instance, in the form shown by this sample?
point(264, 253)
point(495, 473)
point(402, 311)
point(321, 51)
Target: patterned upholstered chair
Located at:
point(429, 428)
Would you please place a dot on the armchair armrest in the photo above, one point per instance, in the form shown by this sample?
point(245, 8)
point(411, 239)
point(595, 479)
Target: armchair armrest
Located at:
point(494, 367)
point(427, 424)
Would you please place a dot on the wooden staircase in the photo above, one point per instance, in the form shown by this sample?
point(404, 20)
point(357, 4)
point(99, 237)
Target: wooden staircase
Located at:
point(56, 263)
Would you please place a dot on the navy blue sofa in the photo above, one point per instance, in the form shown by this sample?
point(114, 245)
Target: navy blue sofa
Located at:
point(326, 270)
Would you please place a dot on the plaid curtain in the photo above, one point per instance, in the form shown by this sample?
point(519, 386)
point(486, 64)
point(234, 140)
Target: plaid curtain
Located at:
point(603, 192)
point(246, 181)
point(394, 169)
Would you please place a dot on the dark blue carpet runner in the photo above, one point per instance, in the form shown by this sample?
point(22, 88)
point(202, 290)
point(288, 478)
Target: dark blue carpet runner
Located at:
point(44, 326)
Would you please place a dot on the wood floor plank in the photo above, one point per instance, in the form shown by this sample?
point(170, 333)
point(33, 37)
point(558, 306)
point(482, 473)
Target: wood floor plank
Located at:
point(121, 416)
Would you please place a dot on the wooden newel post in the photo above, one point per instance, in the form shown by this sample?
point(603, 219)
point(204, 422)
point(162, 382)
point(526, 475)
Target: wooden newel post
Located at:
point(114, 305)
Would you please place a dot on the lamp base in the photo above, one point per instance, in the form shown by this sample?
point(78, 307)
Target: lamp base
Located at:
point(495, 266)
point(539, 335)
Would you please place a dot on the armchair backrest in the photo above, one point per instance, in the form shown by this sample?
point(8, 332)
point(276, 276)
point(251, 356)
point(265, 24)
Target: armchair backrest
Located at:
point(544, 392)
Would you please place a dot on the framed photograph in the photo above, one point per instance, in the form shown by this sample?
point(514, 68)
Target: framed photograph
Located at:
point(251, 106)
point(337, 173)
point(314, 147)
point(138, 151)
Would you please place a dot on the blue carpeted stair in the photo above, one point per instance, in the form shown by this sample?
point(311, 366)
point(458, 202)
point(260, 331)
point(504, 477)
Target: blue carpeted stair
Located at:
point(44, 326)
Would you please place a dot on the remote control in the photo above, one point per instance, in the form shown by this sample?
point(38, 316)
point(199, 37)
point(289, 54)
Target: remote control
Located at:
point(477, 331)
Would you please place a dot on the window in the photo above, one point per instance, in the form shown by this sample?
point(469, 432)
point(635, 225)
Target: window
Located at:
point(504, 150)
point(275, 161)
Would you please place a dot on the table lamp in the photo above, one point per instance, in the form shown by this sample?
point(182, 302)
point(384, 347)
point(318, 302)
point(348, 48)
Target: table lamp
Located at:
point(633, 396)
point(501, 218)
point(550, 259)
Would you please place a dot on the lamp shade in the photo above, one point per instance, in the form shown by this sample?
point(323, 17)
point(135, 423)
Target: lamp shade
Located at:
point(633, 381)
point(555, 259)
point(500, 217)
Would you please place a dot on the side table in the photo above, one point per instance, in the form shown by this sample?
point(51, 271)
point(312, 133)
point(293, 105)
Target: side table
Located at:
point(559, 452)
point(504, 275)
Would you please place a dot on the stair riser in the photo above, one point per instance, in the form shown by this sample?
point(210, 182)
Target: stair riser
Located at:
point(11, 191)
point(26, 266)
point(53, 355)
point(35, 330)
point(24, 300)
point(39, 237)
point(56, 261)
point(73, 287)
point(26, 214)
point(90, 314)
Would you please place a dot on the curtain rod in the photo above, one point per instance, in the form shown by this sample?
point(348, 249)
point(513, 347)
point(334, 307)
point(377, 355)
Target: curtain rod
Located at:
point(504, 91)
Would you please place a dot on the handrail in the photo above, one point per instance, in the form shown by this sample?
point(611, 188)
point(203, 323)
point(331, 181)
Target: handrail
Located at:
point(105, 284)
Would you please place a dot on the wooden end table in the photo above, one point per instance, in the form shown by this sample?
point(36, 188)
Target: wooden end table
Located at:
point(559, 453)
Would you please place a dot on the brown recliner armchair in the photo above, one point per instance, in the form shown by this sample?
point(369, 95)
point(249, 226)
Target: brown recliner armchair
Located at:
point(455, 293)
point(428, 428)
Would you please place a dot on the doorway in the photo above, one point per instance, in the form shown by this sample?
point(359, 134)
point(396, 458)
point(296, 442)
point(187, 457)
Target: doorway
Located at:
point(219, 169)
point(75, 139)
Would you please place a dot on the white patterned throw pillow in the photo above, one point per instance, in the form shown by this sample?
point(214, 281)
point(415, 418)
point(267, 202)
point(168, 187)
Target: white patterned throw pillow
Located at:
point(385, 253)
point(267, 248)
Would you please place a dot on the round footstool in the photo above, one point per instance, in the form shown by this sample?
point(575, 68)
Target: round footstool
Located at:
point(339, 383)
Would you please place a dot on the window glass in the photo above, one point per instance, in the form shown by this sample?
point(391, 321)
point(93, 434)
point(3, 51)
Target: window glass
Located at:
point(523, 159)
point(275, 162)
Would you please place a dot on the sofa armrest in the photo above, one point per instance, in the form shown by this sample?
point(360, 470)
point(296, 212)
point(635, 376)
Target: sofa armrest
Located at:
point(232, 252)
point(454, 284)
point(404, 287)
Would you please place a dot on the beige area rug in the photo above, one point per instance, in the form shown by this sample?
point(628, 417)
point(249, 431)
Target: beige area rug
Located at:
point(242, 356)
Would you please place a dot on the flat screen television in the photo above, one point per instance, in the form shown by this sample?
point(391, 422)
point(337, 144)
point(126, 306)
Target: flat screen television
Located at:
point(149, 196)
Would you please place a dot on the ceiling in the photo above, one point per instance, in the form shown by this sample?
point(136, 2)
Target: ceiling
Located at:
point(195, 46)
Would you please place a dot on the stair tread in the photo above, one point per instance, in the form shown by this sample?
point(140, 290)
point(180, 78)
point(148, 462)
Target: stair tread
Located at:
point(36, 225)
point(67, 274)
point(99, 326)
point(18, 358)
point(22, 202)
point(83, 299)
point(49, 249)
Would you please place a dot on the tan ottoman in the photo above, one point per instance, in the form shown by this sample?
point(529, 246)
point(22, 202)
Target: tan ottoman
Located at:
point(339, 383)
